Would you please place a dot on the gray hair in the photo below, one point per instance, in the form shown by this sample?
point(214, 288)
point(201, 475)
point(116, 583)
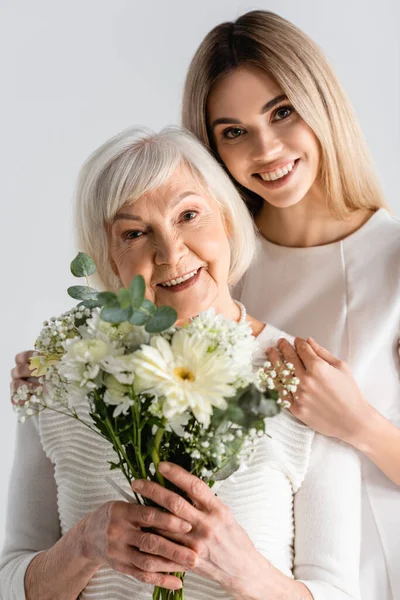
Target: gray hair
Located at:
point(133, 163)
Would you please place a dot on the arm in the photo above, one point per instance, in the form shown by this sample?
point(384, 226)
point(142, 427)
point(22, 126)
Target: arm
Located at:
point(32, 517)
point(329, 401)
point(379, 439)
point(328, 522)
point(33, 527)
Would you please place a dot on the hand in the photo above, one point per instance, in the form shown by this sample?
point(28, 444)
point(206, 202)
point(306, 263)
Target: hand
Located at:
point(21, 374)
point(327, 398)
point(113, 535)
point(225, 552)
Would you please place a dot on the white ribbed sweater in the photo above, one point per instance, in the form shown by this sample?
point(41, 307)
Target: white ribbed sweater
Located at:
point(298, 497)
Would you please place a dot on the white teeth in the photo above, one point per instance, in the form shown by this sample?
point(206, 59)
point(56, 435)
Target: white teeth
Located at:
point(180, 279)
point(273, 175)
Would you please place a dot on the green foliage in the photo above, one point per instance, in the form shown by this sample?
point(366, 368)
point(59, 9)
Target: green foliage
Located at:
point(82, 292)
point(82, 265)
point(163, 318)
point(128, 305)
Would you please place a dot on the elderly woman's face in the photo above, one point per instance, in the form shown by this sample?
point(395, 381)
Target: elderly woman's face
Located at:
point(175, 236)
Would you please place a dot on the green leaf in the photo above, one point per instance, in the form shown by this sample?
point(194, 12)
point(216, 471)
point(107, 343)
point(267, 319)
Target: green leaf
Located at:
point(269, 408)
point(227, 469)
point(108, 299)
point(115, 315)
point(138, 317)
point(82, 292)
point(124, 297)
point(164, 318)
point(82, 265)
point(137, 289)
point(149, 306)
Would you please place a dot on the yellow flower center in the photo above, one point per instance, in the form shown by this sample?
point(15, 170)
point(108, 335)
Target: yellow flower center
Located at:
point(184, 374)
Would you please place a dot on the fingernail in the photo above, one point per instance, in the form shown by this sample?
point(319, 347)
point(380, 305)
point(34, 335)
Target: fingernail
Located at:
point(269, 349)
point(164, 467)
point(186, 527)
point(137, 484)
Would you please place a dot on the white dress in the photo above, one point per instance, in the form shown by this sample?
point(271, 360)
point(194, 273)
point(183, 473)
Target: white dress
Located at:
point(346, 295)
point(298, 497)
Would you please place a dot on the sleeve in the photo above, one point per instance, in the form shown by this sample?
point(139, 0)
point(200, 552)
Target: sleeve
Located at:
point(327, 510)
point(32, 515)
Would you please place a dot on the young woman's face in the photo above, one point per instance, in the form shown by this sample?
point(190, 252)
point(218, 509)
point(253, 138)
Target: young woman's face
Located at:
point(263, 142)
point(175, 236)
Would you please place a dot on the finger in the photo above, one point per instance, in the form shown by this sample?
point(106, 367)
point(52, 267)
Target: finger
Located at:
point(324, 353)
point(274, 356)
point(152, 517)
point(179, 557)
point(154, 564)
point(23, 357)
point(156, 579)
point(306, 353)
point(174, 503)
point(198, 491)
point(21, 371)
point(290, 355)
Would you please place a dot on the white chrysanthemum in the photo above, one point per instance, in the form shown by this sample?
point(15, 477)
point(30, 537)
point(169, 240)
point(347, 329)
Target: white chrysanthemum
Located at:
point(117, 395)
point(80, 366)
point(234, 340)
point(185, 374)
point(121, 367)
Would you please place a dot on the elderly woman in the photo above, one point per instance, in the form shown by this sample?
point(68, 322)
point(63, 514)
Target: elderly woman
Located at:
point(287, 526)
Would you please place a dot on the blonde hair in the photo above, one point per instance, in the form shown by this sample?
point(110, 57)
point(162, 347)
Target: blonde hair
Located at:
point(265, 40)
point(137, 161)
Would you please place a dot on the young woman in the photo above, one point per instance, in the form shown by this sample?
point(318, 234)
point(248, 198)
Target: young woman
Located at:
point(261, 96)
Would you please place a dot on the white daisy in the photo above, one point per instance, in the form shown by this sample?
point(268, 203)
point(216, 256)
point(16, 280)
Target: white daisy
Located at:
point(185, 374)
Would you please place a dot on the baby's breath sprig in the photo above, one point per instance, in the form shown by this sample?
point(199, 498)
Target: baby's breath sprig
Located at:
point(280, 377)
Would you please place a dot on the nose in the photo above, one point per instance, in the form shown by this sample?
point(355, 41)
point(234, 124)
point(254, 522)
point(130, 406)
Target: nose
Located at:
point(169, 249)
point(266, 146)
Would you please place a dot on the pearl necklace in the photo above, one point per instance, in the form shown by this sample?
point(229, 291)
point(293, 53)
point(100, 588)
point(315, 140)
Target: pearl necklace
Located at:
point(243, 311)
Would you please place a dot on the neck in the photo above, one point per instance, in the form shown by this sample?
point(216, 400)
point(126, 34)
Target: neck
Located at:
point(307, 223)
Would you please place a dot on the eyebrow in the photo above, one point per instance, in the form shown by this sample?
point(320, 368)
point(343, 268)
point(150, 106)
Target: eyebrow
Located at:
point(267, 107)
point(178, 199)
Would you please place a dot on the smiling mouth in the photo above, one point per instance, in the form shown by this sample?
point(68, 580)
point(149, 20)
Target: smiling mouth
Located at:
point(280, 174)
point(180, 283)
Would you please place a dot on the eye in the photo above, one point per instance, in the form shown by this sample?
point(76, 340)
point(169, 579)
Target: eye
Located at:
point(232, 133)
point(189, 215)
point(283, 112)
point(132, 234)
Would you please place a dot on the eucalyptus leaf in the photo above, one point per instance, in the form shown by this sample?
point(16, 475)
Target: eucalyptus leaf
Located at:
point(138, 317)
point(82, 265)
point(82, 292)
point(268, 408)
point(227, 469)
point(149, 307)
point(164, 318)
point(124, 297)
point(137, 289)
point(108, 299)
point(115, 315)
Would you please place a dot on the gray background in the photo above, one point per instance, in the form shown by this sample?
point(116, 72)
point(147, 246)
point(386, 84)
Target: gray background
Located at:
point(76, 72)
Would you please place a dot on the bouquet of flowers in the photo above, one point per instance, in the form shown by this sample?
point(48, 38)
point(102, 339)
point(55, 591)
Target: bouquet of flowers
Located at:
point(155, 391)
